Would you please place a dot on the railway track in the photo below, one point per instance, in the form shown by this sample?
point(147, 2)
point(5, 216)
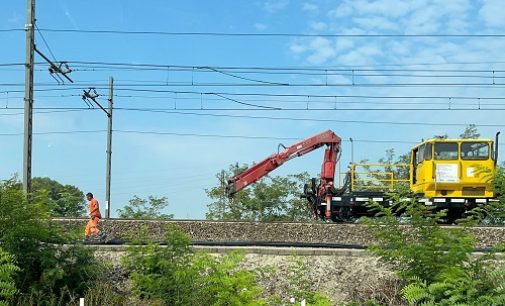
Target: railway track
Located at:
point(261, 244)
point(168, 221)
point(273, 234)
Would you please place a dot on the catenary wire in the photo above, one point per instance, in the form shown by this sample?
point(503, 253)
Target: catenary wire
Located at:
point(166, 33)
point(176, 112)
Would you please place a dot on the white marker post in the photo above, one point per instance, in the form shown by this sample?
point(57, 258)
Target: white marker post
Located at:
point(81, 302)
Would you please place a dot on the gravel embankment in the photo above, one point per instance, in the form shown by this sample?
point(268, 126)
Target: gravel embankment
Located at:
point(351, 234)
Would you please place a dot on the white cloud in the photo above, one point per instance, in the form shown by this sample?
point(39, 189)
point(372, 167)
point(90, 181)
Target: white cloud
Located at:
point(318, 26)
point(355, 57)
point(391, 8)
point(310, 7)
point(260, 26)
point(387, 16)
point(275, 6)
point(493, 13)
point(343, 44)
point(342, 10)
point(376, 23)
point(297, 48)
point(322, 51)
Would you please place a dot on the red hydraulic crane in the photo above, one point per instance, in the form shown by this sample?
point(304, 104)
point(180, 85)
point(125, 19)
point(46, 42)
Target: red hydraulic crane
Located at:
point(331, 154)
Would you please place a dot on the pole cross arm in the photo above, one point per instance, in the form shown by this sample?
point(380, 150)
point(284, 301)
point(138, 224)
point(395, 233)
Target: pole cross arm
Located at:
point(91, 95)
point(62, 67)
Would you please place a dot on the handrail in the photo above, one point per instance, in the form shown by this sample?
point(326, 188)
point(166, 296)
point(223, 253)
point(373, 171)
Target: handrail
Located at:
point(372, 178)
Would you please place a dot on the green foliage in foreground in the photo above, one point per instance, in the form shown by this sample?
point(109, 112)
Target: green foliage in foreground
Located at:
point(173, 274)
point(434, 263)
point(492, 213)
point(48, 271)
point(300, 286)
point(7, 271)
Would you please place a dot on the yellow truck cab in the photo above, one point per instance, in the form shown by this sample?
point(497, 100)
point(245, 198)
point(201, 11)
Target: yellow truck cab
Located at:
point(452, 171)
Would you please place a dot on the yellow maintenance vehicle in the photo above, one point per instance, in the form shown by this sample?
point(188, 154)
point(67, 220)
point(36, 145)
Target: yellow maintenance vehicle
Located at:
point(452, 174)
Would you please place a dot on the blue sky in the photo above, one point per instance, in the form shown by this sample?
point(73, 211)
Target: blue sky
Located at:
point(181, 167)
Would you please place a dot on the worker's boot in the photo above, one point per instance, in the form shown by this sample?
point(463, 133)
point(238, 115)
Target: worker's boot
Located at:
point(85, 239)
point(102, 236)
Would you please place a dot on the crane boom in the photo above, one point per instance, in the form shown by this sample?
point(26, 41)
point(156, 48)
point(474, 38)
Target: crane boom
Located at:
point(259, 170)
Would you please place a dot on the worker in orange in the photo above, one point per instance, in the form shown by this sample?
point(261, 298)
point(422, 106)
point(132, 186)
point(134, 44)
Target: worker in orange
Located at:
point(92, 226)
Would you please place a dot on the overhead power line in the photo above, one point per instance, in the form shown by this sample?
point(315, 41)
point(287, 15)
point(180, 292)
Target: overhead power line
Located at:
point(301, 109)
point(279, 97)
point(253, 94)
point(47, 112)
point(192, 68)
point(249, 137)
point(364, 67)
point(242, 34)
point(179, 111)
point(297, 85)
point(13, 30)
point(197, 135)
point(321, 119)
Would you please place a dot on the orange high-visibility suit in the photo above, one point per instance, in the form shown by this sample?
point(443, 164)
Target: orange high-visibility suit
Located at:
point(94, 211)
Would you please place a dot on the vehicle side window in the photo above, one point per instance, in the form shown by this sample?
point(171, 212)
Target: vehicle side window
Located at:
point(474, 150)
point(427, 151)
point(446, 151)
point(420, 154)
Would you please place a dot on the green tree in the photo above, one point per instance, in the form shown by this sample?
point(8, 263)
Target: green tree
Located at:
point(271, 198)
point(64, 200)
point(150, 208)
point(470, 132)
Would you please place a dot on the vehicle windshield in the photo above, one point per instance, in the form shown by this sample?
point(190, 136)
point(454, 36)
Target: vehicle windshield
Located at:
point(474, 150)
point(446, 151)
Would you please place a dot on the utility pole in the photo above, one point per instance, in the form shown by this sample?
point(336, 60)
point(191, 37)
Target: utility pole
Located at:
point(28, 120)
point(109, 149)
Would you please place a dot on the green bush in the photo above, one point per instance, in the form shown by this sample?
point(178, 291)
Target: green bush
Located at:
point(103, 294)
point(296, 284)
point(223, 282)
point(7, 271)
point(300, 286)
point(47, 269)
point(172, 274)
point(435, 263)
point(163, 272)
point(492, 213)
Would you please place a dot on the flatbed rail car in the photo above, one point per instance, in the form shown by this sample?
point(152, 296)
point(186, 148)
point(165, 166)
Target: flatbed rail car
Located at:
point(365, 182)
point(452, 174)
